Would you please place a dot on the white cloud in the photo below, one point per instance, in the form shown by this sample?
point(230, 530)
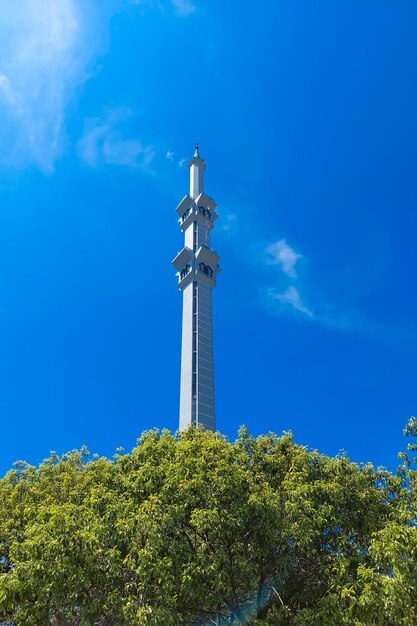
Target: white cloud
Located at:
point(46, 47)
point(280, 253)
point(170, 155)
point(331, 318)
point(228, 221)
point(41, 63)
point(289, 299)
point(183, 7)
point(104, 143)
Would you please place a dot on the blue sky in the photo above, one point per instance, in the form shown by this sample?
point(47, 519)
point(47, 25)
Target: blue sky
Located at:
point(306, 117)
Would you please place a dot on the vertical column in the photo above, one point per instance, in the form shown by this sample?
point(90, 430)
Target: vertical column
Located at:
point(202, 235)
point(194, 389)
point(205, 372)
point(196, 178)
point(197, 373)
point(186, 393)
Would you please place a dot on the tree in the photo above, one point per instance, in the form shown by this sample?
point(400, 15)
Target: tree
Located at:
point(191, 529)
point(386, 588)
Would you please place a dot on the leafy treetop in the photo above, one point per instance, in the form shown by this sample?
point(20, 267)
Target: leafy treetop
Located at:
point(194, 530)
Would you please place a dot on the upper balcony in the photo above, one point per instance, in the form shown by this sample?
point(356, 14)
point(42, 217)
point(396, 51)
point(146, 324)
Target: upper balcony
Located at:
point(182, 259)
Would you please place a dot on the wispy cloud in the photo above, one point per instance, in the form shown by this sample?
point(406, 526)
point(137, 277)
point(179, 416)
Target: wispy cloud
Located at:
point(105, 142)
point(181, 7)
point(228, 221)
point(42, 60)
point(285, 297)
point(280, 253)
point(289, 299)
point(171, 156)
point(292, 296)
point(329, 317)
point(46, 48)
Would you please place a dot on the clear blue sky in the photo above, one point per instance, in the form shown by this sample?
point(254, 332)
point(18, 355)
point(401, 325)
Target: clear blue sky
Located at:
point(306, 116)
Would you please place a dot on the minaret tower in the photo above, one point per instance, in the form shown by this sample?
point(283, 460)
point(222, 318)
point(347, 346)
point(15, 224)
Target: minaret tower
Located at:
point(197, 269)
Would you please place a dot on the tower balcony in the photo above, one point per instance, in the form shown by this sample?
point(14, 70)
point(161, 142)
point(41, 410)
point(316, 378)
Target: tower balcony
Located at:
point(203, 208)
point(200, 273)
point(207, 256)
point(200, 214)
point(205, 201)
point(186, 203)
point(183, 258)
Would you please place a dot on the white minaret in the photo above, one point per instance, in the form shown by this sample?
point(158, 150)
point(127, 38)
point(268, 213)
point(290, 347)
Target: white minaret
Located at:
point(197, 268)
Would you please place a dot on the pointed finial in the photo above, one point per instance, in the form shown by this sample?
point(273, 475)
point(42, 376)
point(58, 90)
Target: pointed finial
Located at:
point(196, 153)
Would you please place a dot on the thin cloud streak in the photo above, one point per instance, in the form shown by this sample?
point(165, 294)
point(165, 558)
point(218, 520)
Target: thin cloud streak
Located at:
point(228, 221)
point(289, 301)
point(46, 47)
point(183, 7)
point(105, 143)
point(280, 253)
point(180, 7)
point(325, 316)
point(171, 156)
point(42, 62)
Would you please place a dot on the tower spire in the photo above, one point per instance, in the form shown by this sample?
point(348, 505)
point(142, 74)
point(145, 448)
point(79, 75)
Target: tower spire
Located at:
point(197, 167)
point(197, 268)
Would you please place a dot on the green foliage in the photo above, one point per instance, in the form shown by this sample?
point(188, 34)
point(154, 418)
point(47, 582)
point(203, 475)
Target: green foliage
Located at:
point(183, 529)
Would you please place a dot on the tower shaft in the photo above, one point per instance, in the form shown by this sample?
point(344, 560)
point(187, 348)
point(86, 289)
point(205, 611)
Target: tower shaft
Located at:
point(197, 378)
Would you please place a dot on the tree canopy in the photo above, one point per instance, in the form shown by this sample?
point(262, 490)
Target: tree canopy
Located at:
point(191, 529)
